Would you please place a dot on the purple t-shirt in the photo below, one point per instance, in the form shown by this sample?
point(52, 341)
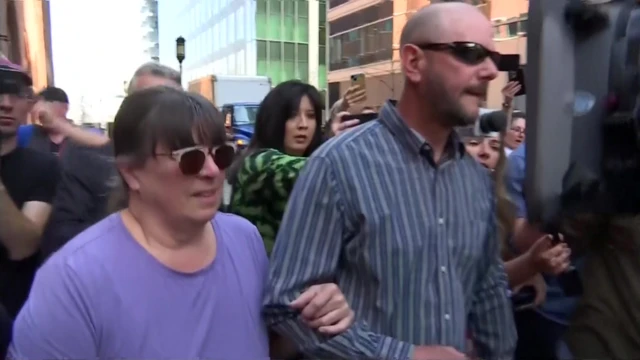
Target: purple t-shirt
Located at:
point(102, 296)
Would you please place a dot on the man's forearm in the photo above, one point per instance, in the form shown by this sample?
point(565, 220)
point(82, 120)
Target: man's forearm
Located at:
point(355, 343)
point(18, 234)
point(84, 137)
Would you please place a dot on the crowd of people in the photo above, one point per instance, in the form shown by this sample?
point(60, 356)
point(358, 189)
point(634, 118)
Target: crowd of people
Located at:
point(403, 238)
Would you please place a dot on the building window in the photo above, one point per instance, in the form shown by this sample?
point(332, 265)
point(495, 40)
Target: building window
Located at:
point(504, 29)
point(289, 66)
point(262, 60)
point(302, 27)
point(365, 16)
point(289, 10)
point(362, 46)
point(261, 18)
point(274, 28)
point(334, 3)
point(302, 62)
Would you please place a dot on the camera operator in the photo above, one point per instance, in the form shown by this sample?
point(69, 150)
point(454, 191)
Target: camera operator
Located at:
point(28, 179)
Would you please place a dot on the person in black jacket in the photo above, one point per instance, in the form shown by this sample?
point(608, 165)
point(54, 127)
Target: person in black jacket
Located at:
point(89, 176)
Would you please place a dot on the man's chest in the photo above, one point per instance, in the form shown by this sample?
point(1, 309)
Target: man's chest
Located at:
point(421, 219)
point(18, 182)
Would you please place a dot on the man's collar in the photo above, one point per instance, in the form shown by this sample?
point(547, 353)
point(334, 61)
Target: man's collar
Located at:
point(411, 140)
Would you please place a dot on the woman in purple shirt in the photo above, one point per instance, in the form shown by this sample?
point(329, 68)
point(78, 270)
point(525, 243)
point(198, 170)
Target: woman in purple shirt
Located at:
point(168, 277)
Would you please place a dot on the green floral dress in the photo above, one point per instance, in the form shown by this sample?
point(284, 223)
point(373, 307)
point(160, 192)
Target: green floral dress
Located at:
point(262, 190)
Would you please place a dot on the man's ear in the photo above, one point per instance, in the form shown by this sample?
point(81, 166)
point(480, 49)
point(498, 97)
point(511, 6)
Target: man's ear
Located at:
point(412, 61)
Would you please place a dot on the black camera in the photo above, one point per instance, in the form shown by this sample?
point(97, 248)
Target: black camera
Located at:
point(583, 78)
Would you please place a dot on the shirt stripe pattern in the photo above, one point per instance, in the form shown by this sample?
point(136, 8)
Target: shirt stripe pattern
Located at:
point(412, 245)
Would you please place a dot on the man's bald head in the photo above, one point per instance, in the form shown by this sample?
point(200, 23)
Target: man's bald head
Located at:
point(432, 22)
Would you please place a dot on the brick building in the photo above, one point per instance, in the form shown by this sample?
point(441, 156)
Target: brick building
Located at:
point(25, 38)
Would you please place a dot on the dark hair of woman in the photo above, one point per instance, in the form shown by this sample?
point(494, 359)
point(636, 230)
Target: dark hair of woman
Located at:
point(161, 116)
point(281, 104)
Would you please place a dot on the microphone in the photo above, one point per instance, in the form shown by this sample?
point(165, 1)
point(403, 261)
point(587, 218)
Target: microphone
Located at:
point(491, 122)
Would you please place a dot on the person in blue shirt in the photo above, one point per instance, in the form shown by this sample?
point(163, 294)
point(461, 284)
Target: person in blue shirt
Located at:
point(539, 330)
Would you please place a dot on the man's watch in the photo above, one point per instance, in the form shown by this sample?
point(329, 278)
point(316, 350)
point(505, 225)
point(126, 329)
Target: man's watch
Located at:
point(506, 105)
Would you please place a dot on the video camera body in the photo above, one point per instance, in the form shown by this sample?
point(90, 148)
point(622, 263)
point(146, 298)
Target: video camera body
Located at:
point(583, 79)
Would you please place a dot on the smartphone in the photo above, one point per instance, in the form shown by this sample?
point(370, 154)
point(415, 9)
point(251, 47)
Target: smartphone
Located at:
point(524, 299)
point(364, 118)
point(518, 76)
point(358, 80)
point(509, 62)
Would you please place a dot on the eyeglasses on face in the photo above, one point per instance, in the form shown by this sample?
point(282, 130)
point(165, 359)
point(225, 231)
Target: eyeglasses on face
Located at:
point(469, 53)
point(518, 130)
point(191, 160)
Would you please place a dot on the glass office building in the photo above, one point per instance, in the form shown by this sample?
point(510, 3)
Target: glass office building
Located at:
point(282, 39)
point(150, 23)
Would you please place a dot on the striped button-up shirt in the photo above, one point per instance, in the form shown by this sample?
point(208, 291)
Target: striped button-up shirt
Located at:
point(412, 244)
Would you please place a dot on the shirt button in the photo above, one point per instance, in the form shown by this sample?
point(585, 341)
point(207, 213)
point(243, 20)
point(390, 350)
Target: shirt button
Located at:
point(447, 317)
point(440, 221)
point(443, 269)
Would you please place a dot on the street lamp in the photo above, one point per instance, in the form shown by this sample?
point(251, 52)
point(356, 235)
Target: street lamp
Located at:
point(180, 41)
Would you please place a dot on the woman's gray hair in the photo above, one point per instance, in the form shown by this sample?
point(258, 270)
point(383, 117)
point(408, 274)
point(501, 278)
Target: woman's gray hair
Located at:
point(154, 69)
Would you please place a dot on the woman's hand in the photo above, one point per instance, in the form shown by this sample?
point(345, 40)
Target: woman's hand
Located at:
point(509, 91)
point(549, 259)
point(338, 126)
point(353, 96)
point(324, 307)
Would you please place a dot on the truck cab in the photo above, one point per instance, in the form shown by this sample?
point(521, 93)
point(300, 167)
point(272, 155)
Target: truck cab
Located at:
point(240, 120)
point(238, 98)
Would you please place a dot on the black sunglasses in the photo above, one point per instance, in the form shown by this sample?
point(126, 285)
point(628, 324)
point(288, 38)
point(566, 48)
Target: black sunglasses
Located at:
point(191, 160)
point(469, 53)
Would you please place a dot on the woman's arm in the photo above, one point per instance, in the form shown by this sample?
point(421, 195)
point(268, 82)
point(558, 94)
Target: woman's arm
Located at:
point(520, 269)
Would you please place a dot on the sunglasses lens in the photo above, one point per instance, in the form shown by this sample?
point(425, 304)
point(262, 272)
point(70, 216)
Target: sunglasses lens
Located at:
point(471, 54)
point(223, 157)
point(192, 162)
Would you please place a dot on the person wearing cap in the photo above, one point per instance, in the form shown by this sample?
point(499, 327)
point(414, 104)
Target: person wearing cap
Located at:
point(28, 179)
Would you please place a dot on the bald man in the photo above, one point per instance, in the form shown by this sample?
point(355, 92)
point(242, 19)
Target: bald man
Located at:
point(401, 217)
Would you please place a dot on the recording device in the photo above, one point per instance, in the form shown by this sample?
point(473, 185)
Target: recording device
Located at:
point(509, 62)
point(518, 76)
point(358, 80)
point(489, 123)
point(495, 121)
point(364, 118)
point(583, 148)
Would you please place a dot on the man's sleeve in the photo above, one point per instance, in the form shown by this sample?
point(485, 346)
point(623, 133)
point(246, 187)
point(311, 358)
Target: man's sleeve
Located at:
point(307, 250)
point(491, 317)
point(49, 172)
point(514, 182)
point(56, 322)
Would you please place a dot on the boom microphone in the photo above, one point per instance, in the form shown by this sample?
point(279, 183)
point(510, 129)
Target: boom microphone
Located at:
point(495, 121)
